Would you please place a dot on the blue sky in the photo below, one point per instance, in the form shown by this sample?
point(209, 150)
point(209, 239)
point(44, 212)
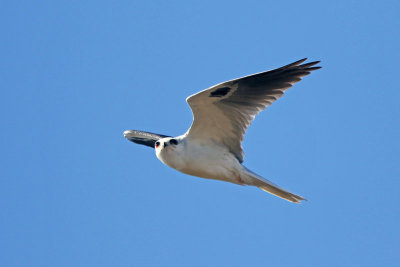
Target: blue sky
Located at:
point(75, 75)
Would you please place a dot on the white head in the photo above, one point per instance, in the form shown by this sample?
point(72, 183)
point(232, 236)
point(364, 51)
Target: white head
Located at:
point(168, 150)
point(166, 142)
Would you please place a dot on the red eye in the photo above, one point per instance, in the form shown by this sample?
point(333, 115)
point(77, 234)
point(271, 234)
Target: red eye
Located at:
point(157, 144)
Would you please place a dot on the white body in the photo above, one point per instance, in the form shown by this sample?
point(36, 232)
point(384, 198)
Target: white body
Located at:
point(207, 159)
point(201, 160)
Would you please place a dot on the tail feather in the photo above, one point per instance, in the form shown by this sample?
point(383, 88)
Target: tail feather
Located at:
point(270, 187)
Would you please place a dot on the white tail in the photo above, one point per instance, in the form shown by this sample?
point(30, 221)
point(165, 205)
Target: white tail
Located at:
point(264, 184)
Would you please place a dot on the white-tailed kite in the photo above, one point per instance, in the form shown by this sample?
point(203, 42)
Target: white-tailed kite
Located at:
point(212, 148)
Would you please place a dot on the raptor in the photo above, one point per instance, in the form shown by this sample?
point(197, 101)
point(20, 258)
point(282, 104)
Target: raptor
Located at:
point(212, 148)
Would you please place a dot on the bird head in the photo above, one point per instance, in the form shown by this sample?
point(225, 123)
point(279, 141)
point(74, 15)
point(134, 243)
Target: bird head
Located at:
point(166, 142)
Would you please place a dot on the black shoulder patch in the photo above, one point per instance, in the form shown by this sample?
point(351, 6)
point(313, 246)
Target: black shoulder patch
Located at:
point(220, 92)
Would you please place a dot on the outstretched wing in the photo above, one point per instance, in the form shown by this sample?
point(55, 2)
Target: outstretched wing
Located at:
point(222, 113)
point(143, 138)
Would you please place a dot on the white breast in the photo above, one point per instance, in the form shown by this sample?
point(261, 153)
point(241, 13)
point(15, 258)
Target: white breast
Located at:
point(202, 160)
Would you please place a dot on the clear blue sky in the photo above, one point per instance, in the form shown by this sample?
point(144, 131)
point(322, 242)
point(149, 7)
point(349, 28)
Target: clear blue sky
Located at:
point(75, 74)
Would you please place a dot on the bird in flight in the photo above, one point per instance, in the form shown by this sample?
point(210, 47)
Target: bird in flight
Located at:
point(212, 148)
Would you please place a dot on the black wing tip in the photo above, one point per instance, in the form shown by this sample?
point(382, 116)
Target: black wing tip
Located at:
point(310, 64)
point(298, 67)
point(294, 64)
point(315, 68)
point(298, 64)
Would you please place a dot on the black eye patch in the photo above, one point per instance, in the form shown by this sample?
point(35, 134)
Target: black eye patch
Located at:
point(173, 142)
